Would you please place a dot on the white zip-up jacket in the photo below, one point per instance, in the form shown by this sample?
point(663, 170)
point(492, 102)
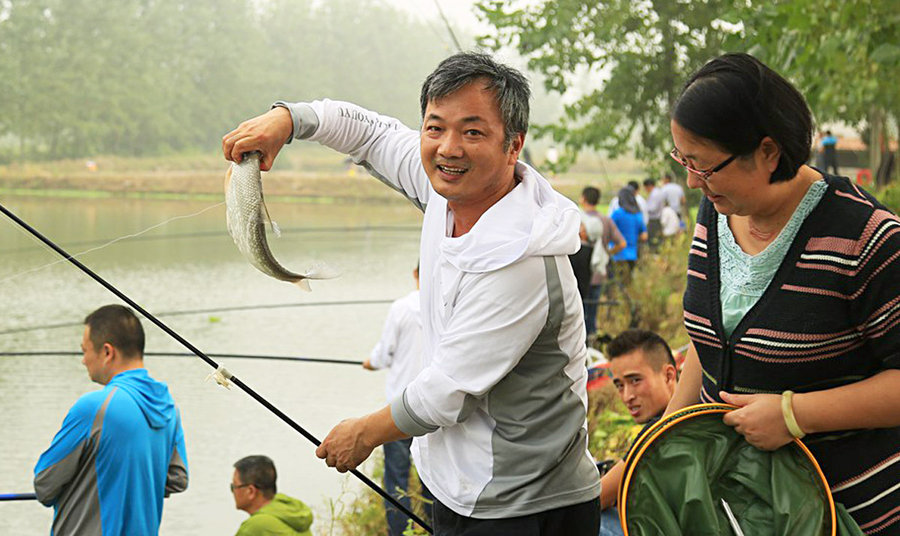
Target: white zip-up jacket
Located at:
point(499, 409)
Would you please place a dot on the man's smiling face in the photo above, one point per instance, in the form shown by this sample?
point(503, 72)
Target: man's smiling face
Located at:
point(462, 147)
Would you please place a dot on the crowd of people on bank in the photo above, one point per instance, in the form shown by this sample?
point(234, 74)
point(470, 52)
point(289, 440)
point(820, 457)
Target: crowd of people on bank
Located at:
point(791, 306)
point(612, 244)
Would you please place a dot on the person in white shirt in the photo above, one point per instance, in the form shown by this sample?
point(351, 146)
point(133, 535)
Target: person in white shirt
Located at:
point(655, 203)
point(499, 410)
point(400, 351)
point(674, 194)
point(669, 222)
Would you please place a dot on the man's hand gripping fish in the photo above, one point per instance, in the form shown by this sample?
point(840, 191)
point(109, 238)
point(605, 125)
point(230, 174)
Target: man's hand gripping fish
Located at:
point(246, 216)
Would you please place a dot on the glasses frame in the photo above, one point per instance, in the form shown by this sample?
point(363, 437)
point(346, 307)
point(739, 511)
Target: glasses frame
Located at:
point(233, 487)
point(703, 175)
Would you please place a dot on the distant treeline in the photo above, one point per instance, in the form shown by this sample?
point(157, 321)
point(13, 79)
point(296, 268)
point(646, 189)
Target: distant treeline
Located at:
point(151, 77)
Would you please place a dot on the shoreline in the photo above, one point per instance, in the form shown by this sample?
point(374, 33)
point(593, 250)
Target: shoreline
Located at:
point(278, 186)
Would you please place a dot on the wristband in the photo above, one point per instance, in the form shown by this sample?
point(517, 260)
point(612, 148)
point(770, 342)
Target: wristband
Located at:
point(787, 411)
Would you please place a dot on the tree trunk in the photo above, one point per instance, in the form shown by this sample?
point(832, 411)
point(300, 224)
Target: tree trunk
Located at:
point(876, 138)
point(895, 176)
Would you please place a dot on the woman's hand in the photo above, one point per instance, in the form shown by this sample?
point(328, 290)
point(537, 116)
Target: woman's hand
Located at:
point(758, 419)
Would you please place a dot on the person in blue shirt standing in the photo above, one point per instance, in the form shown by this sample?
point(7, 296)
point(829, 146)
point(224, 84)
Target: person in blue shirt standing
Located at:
point(829, 153)
point(630, 221)
point(120, 450)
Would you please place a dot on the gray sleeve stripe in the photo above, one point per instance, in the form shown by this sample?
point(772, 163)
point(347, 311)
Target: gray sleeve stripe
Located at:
point(53, 481)
point(97, 427)
point(49, 483)
point(406, 420)
point(176, 478)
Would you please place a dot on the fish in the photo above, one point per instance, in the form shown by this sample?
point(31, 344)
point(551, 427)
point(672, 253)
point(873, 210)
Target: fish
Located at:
point(246, 217)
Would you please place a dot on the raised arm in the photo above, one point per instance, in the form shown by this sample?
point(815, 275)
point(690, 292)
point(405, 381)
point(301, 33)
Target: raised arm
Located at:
point(383, 145)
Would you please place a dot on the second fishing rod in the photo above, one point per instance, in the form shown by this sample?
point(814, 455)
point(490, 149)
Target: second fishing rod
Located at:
point(221, 372)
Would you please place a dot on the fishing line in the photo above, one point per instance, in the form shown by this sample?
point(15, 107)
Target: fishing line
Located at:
point(209, 310)
point(111, 242)
point(217, 234)
point(234, 379)
point(44, 353)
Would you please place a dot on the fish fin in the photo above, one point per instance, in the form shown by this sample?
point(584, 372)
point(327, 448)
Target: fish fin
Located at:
point(228, 177)
point(304, 284)
point(265, 214)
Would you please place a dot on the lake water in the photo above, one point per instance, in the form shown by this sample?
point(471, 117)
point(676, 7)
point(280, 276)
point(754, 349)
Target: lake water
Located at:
point(191, 264)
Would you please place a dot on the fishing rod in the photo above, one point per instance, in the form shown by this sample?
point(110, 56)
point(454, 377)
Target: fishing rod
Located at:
point(228, 308)
point(447, 24)
point(186, 354)
point(222, 375)
point(18, 497)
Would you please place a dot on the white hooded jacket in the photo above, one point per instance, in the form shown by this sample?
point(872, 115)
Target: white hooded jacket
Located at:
point(499, 409)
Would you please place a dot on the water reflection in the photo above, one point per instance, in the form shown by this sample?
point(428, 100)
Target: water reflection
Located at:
point(202, 271)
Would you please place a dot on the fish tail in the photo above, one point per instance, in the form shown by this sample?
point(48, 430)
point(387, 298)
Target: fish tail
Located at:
point(321, 270)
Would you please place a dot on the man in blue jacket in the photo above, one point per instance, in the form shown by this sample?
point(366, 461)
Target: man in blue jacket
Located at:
point(120, 449)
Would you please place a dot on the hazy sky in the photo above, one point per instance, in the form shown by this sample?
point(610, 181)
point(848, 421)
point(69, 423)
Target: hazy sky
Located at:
point(458, 11)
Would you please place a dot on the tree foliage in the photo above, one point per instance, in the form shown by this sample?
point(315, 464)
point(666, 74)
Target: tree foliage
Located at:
point(148, 77)
point(844, 57)
point(636, 56)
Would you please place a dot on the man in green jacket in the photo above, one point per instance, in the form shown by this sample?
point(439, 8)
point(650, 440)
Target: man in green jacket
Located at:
point(271, 513)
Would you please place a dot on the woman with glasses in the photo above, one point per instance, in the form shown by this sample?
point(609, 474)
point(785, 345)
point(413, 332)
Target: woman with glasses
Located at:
point(793, 294)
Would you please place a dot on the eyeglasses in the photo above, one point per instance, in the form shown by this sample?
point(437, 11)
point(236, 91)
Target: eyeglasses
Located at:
point(233, 487)
point(703, 175)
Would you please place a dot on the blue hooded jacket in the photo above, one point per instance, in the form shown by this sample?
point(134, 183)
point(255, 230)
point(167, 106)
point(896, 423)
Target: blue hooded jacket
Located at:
point(119, 452)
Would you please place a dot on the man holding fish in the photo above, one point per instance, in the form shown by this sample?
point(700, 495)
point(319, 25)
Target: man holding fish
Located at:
point(498, 412)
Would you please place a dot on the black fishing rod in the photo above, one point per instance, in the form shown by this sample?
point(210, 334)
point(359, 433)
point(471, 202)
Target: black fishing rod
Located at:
point(228, 308)
point(220, 371)
point(45, 353)
point(18, 497)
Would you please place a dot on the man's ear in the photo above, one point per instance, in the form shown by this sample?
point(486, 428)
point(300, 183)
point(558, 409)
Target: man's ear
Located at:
point(108, 352)
point(671, 374)
point(515, 147)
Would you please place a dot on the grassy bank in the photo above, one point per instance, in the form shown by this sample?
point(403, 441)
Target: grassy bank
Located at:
point(312, 174)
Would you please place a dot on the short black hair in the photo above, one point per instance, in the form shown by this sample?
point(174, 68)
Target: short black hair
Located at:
point(735, 101)
point(508, 85)
point(655, 349)
point(649, 181)
point(634, 185)
point(118, 326)
point(259, 471)
point(591, 195)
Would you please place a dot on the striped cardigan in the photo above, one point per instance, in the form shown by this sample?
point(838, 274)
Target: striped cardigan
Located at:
point(830, 317)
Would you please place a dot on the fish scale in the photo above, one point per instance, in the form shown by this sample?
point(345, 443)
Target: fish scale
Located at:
point(246, 216)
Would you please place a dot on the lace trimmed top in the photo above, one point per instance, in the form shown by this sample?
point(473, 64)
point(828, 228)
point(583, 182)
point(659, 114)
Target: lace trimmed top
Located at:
point(745, 277)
